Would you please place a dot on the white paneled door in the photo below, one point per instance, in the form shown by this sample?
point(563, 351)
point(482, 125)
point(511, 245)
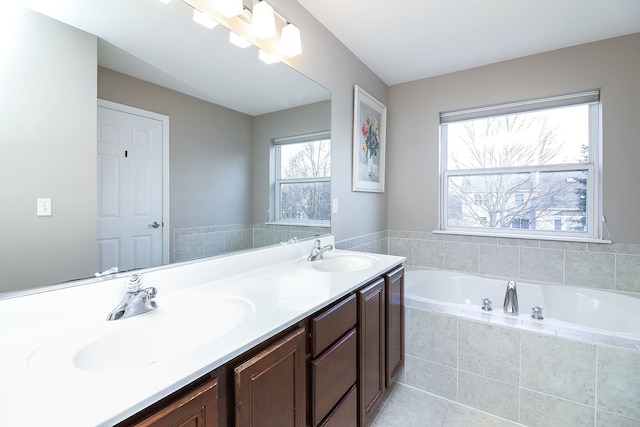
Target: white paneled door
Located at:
point(130, 187)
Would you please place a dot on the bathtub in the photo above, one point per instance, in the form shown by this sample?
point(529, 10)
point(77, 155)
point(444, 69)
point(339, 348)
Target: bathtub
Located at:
point(577, 366)
point(564, 308)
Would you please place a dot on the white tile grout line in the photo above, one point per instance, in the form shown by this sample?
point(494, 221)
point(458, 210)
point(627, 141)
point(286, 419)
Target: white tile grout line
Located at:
point(595, 391)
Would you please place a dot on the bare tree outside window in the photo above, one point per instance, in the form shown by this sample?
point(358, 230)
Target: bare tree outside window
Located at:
point(498, 177)
point(304, 181)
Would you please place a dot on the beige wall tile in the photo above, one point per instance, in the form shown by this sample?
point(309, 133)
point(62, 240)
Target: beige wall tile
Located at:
point(560, 367)
point(472, 391)
point(431, 336)
point(619, 381)
point(490, 351)
point(628, 273)
point(431, 377)
point(541, 410)
point(544, 265)
point(589, 269)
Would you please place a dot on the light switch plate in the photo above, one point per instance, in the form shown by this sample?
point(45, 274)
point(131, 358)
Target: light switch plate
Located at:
point(44, 207)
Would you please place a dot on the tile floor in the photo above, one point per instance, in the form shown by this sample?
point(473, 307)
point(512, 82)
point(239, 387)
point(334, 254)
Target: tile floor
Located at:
point(408, 407)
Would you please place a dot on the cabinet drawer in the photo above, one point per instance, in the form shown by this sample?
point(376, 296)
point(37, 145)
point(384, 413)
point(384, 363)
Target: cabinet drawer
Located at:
point(333, 374)
point(332, 324)
point(346, 413)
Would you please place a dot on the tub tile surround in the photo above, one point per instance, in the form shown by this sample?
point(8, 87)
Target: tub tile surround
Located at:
point(613, 266)
point(520, 375)
point(478, 365)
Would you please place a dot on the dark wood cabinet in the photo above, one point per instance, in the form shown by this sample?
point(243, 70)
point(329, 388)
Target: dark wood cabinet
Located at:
point(332, 323)
point(270, 388)
point(394, 287)
point(198, 408)
point(371, 337)
point(346, 412)
point(334, 367)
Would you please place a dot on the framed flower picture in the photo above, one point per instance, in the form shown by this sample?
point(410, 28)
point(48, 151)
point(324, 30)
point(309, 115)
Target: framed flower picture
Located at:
point(369, 137)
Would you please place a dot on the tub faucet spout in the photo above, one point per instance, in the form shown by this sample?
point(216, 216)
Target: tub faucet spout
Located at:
point(510, 305)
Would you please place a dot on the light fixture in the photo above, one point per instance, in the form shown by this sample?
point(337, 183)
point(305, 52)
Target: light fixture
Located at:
point(263, 21)
point(229, 8)
point(267, 58)
point(204, 19)
point(238, 40)
point(165, 1)
point(290, 43)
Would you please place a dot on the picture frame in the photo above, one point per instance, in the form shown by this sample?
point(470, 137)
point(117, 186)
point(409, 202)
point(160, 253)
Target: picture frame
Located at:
point(369, 142)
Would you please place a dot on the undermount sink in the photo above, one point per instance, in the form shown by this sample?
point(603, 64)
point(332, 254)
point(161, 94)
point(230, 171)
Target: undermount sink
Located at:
point(341, 262)
point(174, 329)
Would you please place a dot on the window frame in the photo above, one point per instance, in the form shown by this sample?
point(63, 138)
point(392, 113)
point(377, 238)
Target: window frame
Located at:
point(278, 181)
point(593, 167)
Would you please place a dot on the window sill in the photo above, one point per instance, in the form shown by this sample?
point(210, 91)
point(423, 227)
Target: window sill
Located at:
point(324, 224)
point(525, 237)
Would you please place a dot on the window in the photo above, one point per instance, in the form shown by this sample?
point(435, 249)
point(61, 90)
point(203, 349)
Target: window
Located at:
point(303, 179)
point(527, 168)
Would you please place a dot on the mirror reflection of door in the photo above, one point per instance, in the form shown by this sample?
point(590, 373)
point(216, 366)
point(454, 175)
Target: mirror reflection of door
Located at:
point(130, 149)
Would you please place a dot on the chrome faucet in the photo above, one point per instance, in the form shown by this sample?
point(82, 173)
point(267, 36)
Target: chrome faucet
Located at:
point(136, 301)
point(317, 251)
point(510, 305)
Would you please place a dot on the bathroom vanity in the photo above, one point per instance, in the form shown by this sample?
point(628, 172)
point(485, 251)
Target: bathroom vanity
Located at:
point(259, 338)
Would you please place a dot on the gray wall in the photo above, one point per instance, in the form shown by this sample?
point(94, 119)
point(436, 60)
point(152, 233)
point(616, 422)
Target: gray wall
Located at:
point(611, 65)
point(327, 61)
point(210, 151)
point(42, 155)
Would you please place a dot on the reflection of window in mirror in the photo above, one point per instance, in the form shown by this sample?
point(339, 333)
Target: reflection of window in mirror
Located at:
point(302, 191)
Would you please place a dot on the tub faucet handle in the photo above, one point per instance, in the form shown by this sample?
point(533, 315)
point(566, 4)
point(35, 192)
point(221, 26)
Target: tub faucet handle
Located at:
point(486, 304)
point(536, 313)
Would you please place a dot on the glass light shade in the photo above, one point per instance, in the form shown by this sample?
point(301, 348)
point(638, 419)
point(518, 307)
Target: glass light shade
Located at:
point(204, 19)
point(263, 21)
point(229, 8)
point(238, 40)
point(267, 58)
point(290, 43)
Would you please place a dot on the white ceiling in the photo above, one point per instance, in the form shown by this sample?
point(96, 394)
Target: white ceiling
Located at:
point(406, 40)
point(400, 41)
point(161, 44)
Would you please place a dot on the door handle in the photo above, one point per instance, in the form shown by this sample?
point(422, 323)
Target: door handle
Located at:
point(154, 224)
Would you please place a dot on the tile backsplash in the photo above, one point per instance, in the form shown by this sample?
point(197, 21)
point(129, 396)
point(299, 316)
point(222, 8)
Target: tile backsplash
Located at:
point(613, 266)
point(199, 242)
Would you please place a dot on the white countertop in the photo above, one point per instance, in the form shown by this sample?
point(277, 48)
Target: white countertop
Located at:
point(39, 334)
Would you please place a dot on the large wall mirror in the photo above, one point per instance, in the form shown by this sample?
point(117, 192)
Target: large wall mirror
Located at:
point(223, 109)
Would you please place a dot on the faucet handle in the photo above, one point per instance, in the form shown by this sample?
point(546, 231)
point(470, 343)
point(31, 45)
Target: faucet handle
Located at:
point(536, 313)
point(134, 283)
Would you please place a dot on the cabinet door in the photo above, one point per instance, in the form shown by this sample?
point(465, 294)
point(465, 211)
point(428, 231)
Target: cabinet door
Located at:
point(197, 409)
point(371, 340)
point(394, 287)
point(270, 387)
